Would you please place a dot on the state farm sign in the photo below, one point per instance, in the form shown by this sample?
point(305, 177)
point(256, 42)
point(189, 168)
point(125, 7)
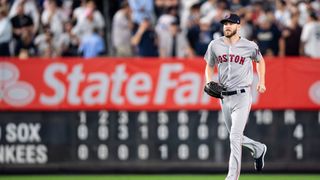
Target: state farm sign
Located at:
point(111, 84)
point(138, 84)
point(121, 86)
point(13, 91)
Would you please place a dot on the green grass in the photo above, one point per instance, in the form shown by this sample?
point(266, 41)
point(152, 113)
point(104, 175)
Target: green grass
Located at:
point(160, 177)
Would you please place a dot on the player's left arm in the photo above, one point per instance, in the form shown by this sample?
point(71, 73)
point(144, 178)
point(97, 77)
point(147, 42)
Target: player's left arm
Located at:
point(261, 70)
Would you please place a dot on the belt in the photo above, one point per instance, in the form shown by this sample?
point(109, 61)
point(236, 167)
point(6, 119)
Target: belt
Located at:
point(230, 93)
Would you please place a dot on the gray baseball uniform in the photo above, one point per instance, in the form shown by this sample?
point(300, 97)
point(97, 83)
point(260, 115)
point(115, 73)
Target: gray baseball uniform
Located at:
point(235, 72)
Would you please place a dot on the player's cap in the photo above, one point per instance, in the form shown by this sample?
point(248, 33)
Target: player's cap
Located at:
point(234, 18)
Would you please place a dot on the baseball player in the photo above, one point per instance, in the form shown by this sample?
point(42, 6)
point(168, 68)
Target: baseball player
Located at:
point(233, 56)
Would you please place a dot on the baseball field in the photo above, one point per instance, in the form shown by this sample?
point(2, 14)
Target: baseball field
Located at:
point(162, 177)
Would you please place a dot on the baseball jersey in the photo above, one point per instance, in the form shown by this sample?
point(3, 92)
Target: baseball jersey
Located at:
point(234, 62)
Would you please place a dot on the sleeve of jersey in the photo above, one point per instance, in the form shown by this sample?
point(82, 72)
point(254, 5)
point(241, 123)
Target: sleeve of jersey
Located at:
point(256, 54)
point(209, 57)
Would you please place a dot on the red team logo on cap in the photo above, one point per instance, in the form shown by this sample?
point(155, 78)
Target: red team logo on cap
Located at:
point(13, 92)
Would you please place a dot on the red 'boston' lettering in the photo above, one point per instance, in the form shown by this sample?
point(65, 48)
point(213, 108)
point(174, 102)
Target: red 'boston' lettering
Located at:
point(241, 60)
point(237, 59)
point(224, 58)
point(232, 58)
point(219, 59)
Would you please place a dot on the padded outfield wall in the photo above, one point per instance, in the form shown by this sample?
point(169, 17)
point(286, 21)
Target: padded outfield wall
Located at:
point(148, 115)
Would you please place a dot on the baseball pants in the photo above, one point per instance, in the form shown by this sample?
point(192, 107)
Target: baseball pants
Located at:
point(236, 109)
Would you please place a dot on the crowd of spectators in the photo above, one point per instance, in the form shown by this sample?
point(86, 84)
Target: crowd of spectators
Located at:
point(51, 28)
point(153, 28)
point(173, 28)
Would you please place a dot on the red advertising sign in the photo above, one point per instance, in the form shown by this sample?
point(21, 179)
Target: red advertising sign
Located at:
point(144, 84)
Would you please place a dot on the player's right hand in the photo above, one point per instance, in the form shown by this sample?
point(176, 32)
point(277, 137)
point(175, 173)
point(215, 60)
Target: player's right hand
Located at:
point(261, 88)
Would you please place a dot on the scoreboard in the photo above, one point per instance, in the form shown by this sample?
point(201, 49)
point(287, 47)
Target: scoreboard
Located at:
point(152, 141)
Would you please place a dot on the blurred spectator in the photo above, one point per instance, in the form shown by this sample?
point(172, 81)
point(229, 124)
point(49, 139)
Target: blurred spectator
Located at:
point(174, 43)
point(79, 11)
point(290, 41)
point(267, 36)
point(305, 7)
point(5, 4)
point(145, 40)
point(257, 11)
point(21, 22)
point(199, 36)
point(164, 22)
point(25, 46)
point(222, 10)
point(159, 7)
point(121, 31)
point(30, 9)
point(68, 42)
point(310, 36)
point(209, 6)
point(5, 32)
point(90, 19)
point(194, 16)
point(92, 45)
point(163, 6)
point(141, 9)
point(53, 16)
point(185, 7)
point(66, 8)
point(173, 11)
point(282, 14)
point(46, 43)
point(272, 23)
point(315, 4)
point(246, 29)
point(235, 5)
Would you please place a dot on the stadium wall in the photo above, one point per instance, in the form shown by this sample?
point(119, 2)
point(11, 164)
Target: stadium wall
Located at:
point(148, 115)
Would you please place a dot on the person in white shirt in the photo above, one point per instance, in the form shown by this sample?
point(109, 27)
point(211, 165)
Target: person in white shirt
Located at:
point(68, 42)
point(79, 11)
point(174, 42)
point(89, 20)
point(5, 32)
point(46, 43)
point(310, 37)
point(54, 17)
point(208, 7)
point(282, 14)
point(121, 31)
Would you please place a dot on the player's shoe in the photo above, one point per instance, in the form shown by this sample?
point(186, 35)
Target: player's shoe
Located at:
point(259, 162)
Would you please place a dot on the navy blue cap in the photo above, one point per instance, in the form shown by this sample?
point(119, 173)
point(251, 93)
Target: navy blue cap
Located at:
point(233, 18)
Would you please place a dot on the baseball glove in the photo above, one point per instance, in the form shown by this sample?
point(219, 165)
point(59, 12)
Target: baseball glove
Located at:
point(214, 89)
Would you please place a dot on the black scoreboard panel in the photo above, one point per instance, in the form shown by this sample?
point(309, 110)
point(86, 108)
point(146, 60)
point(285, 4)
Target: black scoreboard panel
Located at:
point(162, 141)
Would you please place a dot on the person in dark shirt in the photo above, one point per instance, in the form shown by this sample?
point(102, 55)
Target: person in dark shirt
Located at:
point(25, 45)
point(267, 35)
point(21, 22)
point(199, 36)
point(23, 33)
point(290, 41)
point(145, 40)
